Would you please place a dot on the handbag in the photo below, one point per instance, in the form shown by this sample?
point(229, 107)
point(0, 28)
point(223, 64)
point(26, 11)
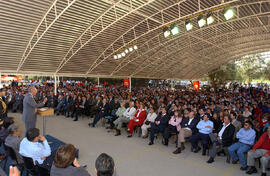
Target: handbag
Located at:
point(147, 122)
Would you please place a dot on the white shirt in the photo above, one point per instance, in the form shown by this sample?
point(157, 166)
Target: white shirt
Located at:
point(129, 113)
point(151, 117)
point(190, 120)
point(222, 130)
point(35, 150)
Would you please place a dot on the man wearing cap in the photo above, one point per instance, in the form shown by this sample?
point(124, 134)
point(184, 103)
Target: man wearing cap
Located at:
point(29, 109)
point(3, 106)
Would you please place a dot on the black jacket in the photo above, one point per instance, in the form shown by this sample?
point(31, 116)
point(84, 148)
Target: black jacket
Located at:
point(192, 125)
point(227, 136)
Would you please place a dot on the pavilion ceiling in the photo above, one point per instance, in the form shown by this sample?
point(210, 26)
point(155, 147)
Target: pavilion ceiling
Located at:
point(80, 37)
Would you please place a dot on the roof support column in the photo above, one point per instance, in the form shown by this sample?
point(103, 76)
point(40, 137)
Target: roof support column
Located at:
point(55, 85)
point(98, 81)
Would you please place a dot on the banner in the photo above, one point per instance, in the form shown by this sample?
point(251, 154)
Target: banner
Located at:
point(126, 83)
point(196, 85)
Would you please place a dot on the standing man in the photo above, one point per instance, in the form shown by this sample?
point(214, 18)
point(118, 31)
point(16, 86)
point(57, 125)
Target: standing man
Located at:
point(29, 109)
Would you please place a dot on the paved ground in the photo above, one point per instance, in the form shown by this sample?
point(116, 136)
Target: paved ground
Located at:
point(133, 156)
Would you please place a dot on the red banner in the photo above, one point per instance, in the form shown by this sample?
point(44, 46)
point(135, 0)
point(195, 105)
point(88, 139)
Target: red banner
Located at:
point(196, 85)
point(126, 83)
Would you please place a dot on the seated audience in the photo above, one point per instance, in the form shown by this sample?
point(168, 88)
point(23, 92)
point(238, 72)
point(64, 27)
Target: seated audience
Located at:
point(260, 150)
point(32, 148)
point(246, 137)
point(173, 127)
point(104, 165)
point(127, 115)
point(188, 128)
point(65, 163)
point(4, 127)
point(138, 119)
point(205, 127)
point(236, 123)
point(161, 122)
point(151, 116)
point(120, 114)
point(222, 139)
point(13, 140)
point(103, 109)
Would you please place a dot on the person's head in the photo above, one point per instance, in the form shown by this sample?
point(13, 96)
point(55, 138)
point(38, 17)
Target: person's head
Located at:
point(205, 117)
point(233, 115)
point(14, 130)
point(2, 92)
point(33, 134)
point(191, 114)
point(122, 104)
point(201, 111)
point(176, 114)
point(227, 120)
point(104, 100)
point(7, 122)
point(64, 156)
point(266, 117)
point(131, 104)
point(152, 110)
point(33, 90)
point(142, 106)
point(247, 125)
point(104, 165)
point(163, 110)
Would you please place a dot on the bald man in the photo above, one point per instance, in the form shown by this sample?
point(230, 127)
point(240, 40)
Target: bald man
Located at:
point(29, 109)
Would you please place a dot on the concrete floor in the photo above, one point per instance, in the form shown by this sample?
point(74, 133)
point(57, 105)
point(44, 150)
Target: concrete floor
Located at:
point(133, 156)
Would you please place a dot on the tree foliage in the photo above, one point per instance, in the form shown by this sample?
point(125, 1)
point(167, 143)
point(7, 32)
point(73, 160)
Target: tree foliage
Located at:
point(245, 69)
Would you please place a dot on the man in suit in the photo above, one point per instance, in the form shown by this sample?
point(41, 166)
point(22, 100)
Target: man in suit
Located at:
point(188, 128)
point(224, 137)
point(103, 109)
point(52, 100)
point(161, 122)
point(29, 109)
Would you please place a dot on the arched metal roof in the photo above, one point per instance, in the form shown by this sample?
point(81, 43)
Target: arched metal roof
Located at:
point(80, 37)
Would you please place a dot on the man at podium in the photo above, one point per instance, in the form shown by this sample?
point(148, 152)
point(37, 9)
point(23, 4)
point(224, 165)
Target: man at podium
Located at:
point(30, 109)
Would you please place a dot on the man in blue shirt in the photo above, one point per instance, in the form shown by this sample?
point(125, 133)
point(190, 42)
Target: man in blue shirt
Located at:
point(246, 137)
point(32, 148)
point(205, 127)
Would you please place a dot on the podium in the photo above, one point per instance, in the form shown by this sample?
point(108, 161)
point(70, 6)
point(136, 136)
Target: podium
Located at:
point(44, 113)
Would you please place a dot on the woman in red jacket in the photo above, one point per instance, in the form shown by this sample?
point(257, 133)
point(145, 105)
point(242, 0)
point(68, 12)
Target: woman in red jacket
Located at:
point(138, 119)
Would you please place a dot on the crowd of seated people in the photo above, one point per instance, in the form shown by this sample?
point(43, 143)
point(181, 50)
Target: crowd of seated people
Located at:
point(228, 120)
point(63, 162)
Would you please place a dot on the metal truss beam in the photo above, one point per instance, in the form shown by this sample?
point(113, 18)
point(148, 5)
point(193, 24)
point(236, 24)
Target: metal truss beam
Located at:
point(30, 46)
point(117, 4)
point(93, 66)
point(118, 68)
